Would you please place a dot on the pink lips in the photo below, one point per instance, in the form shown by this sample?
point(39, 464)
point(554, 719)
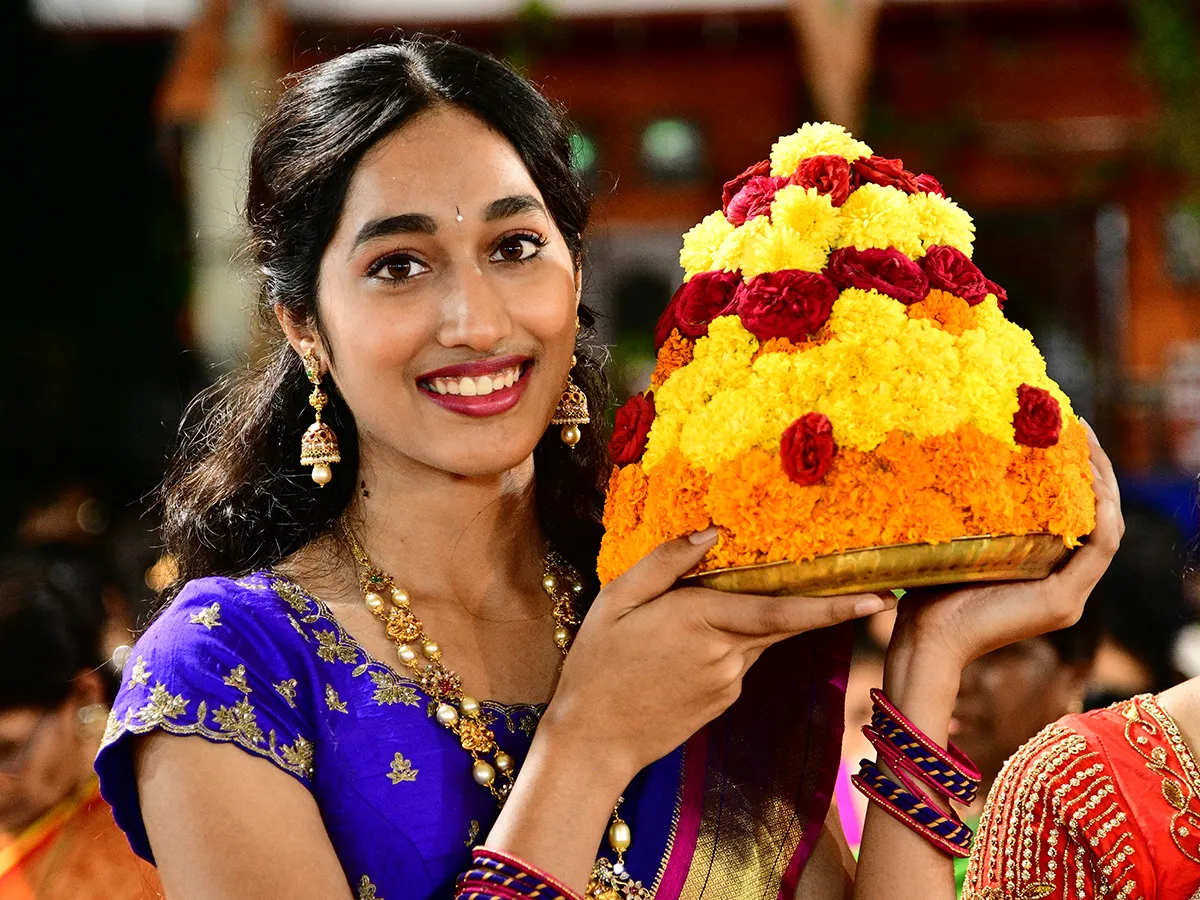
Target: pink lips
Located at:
point(498, 401)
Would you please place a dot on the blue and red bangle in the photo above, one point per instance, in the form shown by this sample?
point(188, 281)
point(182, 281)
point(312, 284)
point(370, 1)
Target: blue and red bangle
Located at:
point(495, 875)
point(945, 832)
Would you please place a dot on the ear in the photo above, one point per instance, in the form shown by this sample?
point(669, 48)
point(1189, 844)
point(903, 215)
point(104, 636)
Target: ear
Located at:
point(578, 287)
point(301, 335)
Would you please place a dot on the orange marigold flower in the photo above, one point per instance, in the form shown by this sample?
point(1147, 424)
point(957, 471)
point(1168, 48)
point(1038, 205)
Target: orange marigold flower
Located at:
point(949, 311)
point(676, 352)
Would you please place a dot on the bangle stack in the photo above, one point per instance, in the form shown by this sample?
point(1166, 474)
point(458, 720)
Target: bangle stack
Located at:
point(917, 760)
point(497, 876)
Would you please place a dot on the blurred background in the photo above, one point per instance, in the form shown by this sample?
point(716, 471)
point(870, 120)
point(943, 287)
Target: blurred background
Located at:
point(1070, 129)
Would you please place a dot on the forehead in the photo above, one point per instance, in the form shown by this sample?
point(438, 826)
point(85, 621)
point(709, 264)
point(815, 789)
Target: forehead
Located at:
point(442, 160)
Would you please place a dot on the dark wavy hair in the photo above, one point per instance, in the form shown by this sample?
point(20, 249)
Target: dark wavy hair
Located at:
point(235, 498)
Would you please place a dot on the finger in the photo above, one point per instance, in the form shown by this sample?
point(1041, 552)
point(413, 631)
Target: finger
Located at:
point(655, 572)
point(1102, 463)
point(770, 619)
point(1089, 562)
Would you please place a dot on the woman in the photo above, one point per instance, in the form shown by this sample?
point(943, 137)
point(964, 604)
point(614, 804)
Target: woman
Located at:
point(1100, 804)
point(59, 838)
point(418, 228)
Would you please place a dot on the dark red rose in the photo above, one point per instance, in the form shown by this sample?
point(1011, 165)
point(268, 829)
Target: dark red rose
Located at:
point(1039, 420)
point(733, 186)
point(950, 270)
point(828, 174)
point(754, 199)
point(807, 448)
point(696, 303)
point(790, 304)
point(887, 271)
point(631, 429)
point(1001, 293)
point(927, 184)
point(881, 170)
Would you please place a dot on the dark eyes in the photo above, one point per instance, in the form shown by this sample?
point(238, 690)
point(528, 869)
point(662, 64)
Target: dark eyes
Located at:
point(513, 248)
point(517, 248)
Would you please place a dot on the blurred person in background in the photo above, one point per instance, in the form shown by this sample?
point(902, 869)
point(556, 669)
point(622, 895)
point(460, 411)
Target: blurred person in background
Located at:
point(1009, 695)
point(1144, 606)
point(59, 839)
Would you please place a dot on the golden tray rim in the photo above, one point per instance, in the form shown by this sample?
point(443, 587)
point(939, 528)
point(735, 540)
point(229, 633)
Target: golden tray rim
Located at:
point(961, 560)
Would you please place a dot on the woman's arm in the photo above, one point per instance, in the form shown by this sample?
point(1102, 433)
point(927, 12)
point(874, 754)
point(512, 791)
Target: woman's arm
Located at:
point(937, 633)
point(225, 825)
point(649, 668)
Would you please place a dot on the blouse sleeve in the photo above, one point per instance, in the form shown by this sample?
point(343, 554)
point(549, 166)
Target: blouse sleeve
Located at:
point(1055, 825)
point(214, 664)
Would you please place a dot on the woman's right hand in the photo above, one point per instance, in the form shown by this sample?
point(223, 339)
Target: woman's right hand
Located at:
point(653, 663)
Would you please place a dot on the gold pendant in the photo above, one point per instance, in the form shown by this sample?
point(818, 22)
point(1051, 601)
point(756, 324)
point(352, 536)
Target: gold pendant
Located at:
point(610, 881)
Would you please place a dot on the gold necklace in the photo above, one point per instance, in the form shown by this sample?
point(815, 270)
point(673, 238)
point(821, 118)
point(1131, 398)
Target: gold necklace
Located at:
point(459, 712)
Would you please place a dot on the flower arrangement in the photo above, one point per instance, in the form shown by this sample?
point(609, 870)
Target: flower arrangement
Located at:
point(835, 373)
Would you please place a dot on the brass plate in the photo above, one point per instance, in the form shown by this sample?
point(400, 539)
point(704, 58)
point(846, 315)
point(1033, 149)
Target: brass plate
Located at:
point(1004, 557)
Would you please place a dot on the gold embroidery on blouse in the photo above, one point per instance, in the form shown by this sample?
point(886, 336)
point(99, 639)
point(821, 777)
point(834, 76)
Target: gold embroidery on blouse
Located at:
point(529, 724)
point(333, 701)
point(292, 595)
point(240, 720)
point(298, 754)
point(1180, 784)
point(140, 674)
point(389, 690)
point(1029, 892)
point(287, 690)
point(299, 629)
point(472, 834)
point(366, 890)
point(402, 770)
point(161, 706)
point(237, 679)
point(332, 646)
point(209, 617)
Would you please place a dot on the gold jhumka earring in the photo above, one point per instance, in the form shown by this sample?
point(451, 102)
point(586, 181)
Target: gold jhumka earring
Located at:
point(318, 446)
point(572, 411)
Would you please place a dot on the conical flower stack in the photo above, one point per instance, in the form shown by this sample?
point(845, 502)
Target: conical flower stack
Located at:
point(836, 373)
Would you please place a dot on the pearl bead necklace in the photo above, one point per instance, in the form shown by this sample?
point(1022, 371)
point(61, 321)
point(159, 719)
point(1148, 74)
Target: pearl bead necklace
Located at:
point(460, 713)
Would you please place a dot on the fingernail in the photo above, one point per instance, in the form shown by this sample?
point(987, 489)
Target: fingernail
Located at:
point(869, 605)
point(708, 535)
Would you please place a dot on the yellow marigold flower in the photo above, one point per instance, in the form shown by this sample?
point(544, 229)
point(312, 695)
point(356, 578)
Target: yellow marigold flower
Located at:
point(776, 247)
point(814, 139)
point(702, 242)
point(728, 257)
point(942, 222)
point(810, 214)
point(876, 216)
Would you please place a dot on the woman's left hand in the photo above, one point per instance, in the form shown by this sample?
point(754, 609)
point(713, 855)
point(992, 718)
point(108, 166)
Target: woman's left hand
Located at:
point(963, 623)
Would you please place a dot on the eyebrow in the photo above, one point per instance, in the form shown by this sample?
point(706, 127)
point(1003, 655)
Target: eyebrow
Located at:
point(419, 223)
point(506, 207)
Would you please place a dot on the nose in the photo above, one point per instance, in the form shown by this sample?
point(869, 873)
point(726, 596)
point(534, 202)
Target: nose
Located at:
point(475, 313)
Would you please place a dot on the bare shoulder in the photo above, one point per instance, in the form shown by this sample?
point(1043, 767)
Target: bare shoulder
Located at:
point(202, 802)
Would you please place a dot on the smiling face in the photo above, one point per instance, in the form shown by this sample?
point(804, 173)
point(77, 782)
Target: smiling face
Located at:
point(447, 300)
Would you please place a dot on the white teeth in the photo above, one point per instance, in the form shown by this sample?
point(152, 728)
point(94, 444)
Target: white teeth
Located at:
point(476, 387)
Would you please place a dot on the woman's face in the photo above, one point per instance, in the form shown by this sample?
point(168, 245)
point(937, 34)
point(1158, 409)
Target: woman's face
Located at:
point(447, 300)
point(40, 754)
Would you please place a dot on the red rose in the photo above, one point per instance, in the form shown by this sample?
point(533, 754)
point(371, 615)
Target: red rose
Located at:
point(1001, 293)
point(927, 184)
point(1039, 420)
point(631, 429)
point(732, 187)
point(950, 270)
point(695, 304)
point(887, 271)
point(828, 174)
point(881, 170)
point(790, 304)
point(807, 448)
point(754, 199)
